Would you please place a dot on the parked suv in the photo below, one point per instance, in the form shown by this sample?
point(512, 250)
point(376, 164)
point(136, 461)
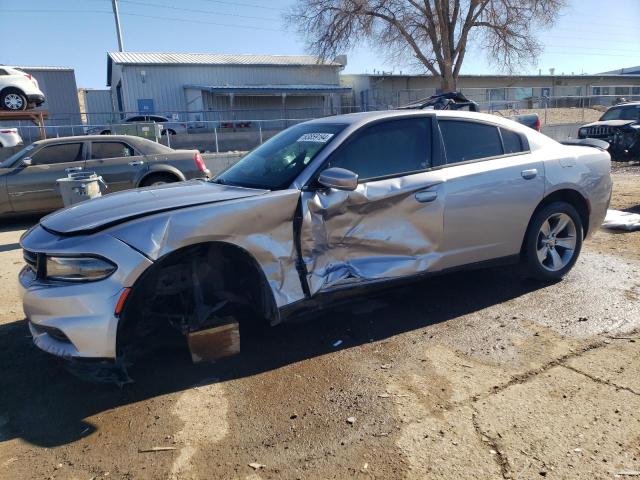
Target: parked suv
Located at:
point(620, 127)
point(18, 89)
point(169, 126)
point(325, 207)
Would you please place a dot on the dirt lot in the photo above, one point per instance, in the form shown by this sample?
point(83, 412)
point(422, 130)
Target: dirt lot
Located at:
point(476, 375)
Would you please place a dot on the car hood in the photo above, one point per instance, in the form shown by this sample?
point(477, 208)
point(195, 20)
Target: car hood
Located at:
point(610, 123)
point(103, 212)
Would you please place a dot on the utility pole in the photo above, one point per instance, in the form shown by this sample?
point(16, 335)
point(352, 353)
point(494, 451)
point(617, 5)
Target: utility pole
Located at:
point(116, 14)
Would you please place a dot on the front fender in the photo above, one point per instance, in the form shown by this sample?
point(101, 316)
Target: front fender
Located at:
point(260, 225)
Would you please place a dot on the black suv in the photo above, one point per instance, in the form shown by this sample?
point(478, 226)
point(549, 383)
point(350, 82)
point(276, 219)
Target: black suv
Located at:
point(620, 127)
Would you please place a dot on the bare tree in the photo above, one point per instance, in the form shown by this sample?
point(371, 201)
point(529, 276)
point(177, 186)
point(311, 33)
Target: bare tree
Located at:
point(437, 33)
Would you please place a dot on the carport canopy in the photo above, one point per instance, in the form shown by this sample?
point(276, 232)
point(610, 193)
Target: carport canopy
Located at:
point(271, 89)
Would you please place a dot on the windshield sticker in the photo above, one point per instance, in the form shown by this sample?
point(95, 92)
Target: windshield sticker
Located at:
point(315, 137)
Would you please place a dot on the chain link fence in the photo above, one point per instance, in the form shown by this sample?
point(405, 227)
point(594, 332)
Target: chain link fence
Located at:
point(222, 131)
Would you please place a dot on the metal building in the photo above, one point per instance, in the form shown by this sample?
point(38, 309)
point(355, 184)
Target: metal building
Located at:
point(97, 106)
point(199, 86)
point(384, 90)
point(61, 93)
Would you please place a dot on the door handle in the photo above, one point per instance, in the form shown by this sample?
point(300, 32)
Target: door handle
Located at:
point(426, 196)
point(135, 163)
point(530, 173)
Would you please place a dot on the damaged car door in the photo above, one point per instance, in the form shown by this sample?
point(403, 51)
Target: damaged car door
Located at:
point(389, 224)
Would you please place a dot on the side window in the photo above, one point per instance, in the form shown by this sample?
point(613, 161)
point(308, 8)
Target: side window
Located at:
point(390, 148)
point(67, 152)
point(512, 141)
point(134, 119)
point(3, 72)
point(464, 141)
point(101, 150)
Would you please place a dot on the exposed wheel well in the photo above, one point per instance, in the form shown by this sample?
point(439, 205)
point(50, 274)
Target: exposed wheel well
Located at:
point(12, 89)
point(569, 196)
point(149, 177)
point(194, 288)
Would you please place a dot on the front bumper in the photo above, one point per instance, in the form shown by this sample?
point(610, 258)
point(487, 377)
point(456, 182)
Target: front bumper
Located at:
point(77, 320)
point(71, 320)
point(35, 98)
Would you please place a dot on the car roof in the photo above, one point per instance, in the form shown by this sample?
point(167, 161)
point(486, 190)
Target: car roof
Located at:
point(84, 138)
point(626, 104)
point(362, 118)
point(148, 115)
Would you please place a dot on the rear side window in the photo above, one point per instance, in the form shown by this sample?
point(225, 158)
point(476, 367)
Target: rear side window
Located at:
point(512, 141)
point(464, 141)
point(101, 150)
point(390, 148)
point(67, 152)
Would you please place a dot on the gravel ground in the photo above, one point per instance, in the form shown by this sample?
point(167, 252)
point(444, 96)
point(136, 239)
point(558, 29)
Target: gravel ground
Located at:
point(471, 375)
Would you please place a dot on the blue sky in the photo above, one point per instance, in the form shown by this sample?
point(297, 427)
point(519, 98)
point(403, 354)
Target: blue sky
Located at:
point(591, 36)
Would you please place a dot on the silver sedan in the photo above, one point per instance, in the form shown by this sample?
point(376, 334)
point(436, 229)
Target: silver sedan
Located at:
point(326, 207)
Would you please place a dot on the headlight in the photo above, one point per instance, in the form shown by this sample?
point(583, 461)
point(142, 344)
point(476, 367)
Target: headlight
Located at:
point(78, 269)
point(583, 132)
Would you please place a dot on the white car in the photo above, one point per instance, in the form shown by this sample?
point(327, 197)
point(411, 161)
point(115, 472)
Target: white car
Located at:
point(9, 137)
point(19, 90)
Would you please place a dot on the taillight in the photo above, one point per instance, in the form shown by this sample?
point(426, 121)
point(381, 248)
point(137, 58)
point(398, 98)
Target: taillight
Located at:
point(197, 158)
point(13, 130)
point(538, 124)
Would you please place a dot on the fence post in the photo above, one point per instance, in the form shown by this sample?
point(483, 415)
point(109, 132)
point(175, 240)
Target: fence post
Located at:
point(260, 131)
point(215, 133)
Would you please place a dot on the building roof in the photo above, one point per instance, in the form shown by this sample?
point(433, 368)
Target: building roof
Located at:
point(624, 71)
point(500, 76)
point(164, 58)
point(271, 89)
point(160, 58)
point(44, 68)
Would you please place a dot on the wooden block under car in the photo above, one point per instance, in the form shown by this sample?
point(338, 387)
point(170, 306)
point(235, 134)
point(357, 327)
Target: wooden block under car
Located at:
point(215, 342)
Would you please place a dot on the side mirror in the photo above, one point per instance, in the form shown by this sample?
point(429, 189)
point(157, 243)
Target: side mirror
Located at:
point(27, 162)
point(338, 178)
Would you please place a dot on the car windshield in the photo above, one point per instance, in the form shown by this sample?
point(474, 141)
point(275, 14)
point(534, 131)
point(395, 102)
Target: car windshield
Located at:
point(277, 162)
point(9, 162)
point(622, 113)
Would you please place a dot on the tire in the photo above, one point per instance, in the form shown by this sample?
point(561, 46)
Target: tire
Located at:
point(156, 179)
point(169, 131)
point(553, 242)
point(13, 100)
point(105, 132)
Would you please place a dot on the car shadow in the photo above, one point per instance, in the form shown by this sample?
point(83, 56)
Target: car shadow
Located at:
point(45, 405)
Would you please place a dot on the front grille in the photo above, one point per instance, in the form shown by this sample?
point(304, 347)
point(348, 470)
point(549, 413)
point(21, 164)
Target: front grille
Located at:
point(31, 259)
point(600, 132)
point(35, 261)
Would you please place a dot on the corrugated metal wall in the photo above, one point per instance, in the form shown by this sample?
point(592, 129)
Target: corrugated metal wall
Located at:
point(98, 107)
point(61, 93)
point(165, 84)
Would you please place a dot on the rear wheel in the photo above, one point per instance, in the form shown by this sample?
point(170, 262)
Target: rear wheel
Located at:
point(158, 179)
point(13, 100)
point(553, 242)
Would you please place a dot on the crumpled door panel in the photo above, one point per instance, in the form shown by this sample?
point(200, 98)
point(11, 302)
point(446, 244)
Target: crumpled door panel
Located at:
point(378, 231)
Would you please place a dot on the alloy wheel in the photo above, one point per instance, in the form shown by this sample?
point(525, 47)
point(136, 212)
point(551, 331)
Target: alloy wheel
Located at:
point(13, 101)
point(556, 243)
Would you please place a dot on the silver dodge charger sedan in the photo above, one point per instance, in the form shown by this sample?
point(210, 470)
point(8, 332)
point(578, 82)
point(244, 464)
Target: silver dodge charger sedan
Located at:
point(325, 206)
